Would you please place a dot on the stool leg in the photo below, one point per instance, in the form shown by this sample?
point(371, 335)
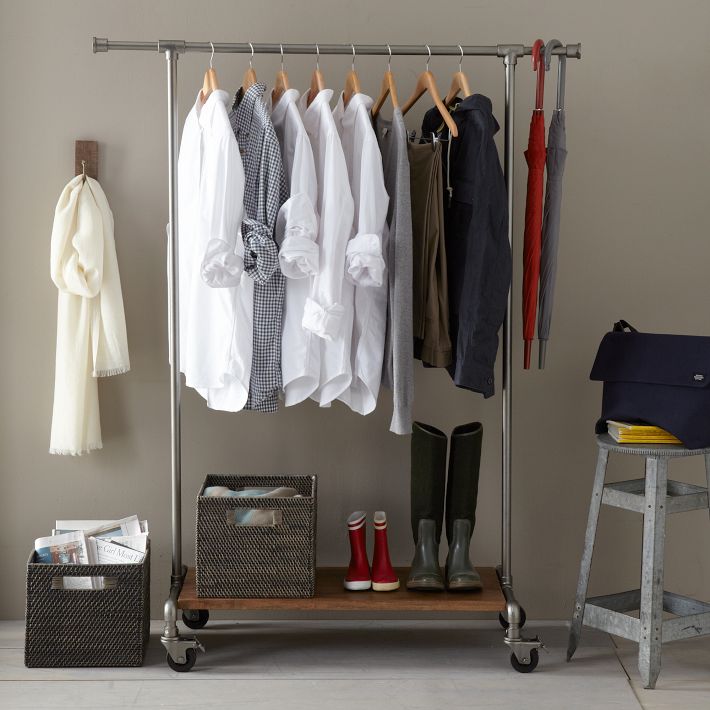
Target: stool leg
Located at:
point(654, 531)
point(578, 615)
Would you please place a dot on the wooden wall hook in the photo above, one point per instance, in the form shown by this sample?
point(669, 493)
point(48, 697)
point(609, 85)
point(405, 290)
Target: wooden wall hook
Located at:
point(88, 151)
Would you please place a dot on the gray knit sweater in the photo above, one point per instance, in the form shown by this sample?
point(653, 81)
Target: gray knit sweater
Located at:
point(398, 367)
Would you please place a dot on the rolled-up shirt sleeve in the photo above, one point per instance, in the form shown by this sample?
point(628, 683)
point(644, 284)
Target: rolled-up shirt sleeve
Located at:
point(297, 231)
point(221, 211)
point(261, 255)
point(324, 311)
point(364, 263)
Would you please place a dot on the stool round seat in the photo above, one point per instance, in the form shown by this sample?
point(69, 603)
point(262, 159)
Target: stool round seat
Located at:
point(666, 451)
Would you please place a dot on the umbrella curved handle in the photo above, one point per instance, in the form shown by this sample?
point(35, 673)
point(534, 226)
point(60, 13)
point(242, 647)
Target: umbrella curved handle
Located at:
point(553, 44)
point(538, 64)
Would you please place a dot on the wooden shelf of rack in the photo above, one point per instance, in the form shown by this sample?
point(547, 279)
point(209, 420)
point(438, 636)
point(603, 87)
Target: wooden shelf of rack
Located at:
point(331, 596)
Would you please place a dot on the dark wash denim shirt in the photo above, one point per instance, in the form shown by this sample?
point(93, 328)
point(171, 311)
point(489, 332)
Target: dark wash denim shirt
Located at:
point(476, 233)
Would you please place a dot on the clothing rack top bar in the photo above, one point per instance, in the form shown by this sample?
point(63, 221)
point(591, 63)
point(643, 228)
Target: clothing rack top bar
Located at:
point(101, 44)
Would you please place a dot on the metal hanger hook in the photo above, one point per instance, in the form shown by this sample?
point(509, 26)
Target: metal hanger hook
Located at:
point(352, 65)
point(317, 57)
point(211, 55)
point(251, 59)
point(282, 56)
point(461, 57)
point(428, 49)
point(389, 59)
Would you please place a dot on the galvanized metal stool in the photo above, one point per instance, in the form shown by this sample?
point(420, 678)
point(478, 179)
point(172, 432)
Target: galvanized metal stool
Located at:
point(655, 497)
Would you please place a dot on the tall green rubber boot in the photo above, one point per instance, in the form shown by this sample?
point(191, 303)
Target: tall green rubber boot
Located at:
point(428, 485)
point(461, 499)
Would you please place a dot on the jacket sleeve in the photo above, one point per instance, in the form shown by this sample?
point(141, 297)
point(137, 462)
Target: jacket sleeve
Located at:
point(364, 263)
point(323, 312)
point(221, 210)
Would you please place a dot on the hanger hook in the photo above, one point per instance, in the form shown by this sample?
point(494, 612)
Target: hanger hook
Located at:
point(428, 49)
point(282, 56)
point(83, 168)
point(352, 65)
point(461, 57)
point(389, 59)
point(317, 57)
point(211, 55)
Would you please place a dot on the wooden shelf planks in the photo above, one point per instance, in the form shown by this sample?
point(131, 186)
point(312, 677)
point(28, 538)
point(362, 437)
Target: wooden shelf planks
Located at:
point(330, 596)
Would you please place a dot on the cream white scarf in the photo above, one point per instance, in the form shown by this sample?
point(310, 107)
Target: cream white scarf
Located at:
point(91, 326)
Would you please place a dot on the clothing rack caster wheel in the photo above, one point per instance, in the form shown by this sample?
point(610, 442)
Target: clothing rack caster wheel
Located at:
point(195, 618)
point(504, 622)
point(190, 659)
point(527, 664)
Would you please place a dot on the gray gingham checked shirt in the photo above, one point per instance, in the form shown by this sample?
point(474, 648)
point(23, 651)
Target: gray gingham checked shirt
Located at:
point(264, 192)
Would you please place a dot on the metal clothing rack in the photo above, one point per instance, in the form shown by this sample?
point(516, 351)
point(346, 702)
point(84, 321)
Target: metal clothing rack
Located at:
point(182, 649)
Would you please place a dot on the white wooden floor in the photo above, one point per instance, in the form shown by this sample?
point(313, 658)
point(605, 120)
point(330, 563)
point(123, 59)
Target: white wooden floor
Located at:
point(423, 665)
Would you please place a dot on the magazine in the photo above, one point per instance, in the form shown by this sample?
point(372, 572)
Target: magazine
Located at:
point(67, 549)
point(64, 526)
point(82, 542)
point(109, 552)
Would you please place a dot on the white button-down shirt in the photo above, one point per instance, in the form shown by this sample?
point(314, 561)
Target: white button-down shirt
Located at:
point(297, 232)
point(325, 313)
point(216, 298)
point(365, 265)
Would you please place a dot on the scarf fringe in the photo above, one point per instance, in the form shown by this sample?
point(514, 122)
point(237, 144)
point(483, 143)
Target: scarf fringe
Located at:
point(111, 373)
point(70, 452)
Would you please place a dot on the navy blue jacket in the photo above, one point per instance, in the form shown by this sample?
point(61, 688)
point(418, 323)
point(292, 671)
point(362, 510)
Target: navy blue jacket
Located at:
point(476, 233)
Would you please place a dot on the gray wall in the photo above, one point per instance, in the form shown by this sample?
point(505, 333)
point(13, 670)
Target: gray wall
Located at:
point(634, 246)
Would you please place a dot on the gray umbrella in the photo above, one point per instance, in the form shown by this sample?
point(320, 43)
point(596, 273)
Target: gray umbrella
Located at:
point(556, 156)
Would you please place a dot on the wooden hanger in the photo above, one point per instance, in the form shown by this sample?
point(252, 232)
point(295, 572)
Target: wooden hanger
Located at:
point(459, 84)
point(352, 82)
point(388, 89)
point(249, 78)
point(427, 83)
point(281, 85)
point(317, 80)
point(209, 83)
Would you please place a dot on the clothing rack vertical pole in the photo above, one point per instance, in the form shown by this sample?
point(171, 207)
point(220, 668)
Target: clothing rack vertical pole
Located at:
point(171, 57)
point(507, 359)
point(170, 632)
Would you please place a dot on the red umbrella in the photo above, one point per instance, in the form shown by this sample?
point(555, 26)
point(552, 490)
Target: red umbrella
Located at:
point(535, 156)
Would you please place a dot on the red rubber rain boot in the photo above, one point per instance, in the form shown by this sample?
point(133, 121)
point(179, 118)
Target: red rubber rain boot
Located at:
point(383, 577)
point(358, 576)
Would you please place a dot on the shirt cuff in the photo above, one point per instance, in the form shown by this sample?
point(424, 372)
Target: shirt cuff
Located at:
point(323, 322)
point(221, 266)
point(299, 256)
point(261, 256)
point(364, 265)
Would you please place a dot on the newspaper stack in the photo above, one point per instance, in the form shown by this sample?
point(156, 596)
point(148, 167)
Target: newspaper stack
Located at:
point(89, 542)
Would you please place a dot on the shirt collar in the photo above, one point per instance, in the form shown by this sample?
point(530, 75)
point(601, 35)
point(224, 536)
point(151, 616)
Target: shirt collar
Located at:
point(322, 97)
point(245, 102)
point(346, 114)
point(278, 110)
point(206, 109)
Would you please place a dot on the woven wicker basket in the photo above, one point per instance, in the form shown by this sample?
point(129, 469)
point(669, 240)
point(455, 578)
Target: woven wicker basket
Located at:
point(87, 627)
point(277, 560)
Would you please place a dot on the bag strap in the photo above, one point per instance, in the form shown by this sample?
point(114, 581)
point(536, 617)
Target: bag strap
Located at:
point(622, 325)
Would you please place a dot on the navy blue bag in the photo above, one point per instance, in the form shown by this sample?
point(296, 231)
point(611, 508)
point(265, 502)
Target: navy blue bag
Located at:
point(662, 380)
